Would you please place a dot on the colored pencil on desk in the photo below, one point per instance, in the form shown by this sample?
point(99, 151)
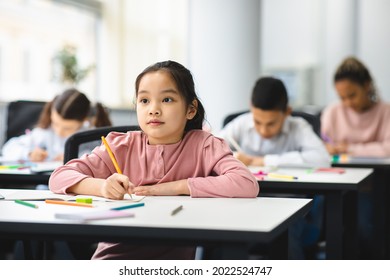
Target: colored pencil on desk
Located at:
point(28, 204)
point(176, 210)
point(128, 206)
point(281, 176)
point(70, 203)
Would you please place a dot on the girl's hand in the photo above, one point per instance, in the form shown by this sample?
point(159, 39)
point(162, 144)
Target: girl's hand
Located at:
point(170, 188)
point(116, 186)
point(59, 157)
point(38, 154)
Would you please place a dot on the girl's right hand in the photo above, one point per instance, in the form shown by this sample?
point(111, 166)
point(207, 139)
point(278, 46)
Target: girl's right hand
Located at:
point(116, 186)
point(38, 154)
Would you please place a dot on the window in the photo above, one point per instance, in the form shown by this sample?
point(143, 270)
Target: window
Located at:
point(32, 34)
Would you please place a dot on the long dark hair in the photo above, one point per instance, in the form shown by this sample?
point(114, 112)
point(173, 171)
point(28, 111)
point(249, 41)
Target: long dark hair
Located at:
point(74, 105)
point(185, 84)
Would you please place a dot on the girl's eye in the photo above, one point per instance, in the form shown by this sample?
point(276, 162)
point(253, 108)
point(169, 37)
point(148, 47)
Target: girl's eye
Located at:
point(167, 99)
point(143, 100)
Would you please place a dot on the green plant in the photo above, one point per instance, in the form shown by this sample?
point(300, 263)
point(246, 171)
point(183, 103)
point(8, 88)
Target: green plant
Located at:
point(70, 70)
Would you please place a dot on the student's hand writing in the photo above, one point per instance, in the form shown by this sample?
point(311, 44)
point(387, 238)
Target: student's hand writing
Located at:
point(59, 157)
point(116, 186)
point(170, 188)
point(338, 148)
point(38, 154)
point(342, 148)
point(250, 160)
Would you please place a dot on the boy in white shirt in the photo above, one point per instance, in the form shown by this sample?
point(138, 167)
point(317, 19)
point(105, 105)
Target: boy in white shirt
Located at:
point(269, 136)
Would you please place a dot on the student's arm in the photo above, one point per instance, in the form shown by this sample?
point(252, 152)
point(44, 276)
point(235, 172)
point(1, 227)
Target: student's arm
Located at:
point(27, 146)
point(328, 132)
point(224, 176)
point(18, 148)
point(237, 130)
point(371, 149)
point(229, 177)
point(309, 149)
point(114, 187)
point(179, 187)
point(93, 174)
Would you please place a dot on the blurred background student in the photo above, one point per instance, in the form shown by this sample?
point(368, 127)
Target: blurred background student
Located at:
point(66, 114)
point(358, 124)
point(269, 136)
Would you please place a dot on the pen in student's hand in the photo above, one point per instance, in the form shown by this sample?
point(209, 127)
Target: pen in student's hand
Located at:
point(176, 210)
point(28, 204)
point(281, 176)
point(128, 206)
point(235, 144)
point(326, 138)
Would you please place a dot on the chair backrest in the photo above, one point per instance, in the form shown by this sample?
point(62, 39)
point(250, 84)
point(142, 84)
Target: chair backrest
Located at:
point(231, 117)
point(311, 119)
point(75, 142)
point(22, 115)
point(314, 120)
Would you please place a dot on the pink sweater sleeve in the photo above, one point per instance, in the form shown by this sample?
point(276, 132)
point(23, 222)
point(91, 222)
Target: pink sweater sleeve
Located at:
point(367, 134)
point(95, 165)
point(230, 178)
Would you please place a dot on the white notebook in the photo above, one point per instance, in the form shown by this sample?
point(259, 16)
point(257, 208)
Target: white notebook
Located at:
point(96, 215)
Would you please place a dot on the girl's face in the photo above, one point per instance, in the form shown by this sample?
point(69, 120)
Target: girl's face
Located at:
point(161, 110)
point(353, 95)
point(62, 127)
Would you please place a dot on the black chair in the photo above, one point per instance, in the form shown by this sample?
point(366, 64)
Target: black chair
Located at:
point(73, 145)
point(311, 119)
point(22, 115)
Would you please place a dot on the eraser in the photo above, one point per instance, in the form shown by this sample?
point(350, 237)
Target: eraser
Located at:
point(84, 200)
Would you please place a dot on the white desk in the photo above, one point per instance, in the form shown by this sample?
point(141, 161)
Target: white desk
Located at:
point(232, 224)
point(340, 191)
point(30, 174)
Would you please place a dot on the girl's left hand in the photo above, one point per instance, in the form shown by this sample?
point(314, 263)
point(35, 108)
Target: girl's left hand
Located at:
point(170, 188)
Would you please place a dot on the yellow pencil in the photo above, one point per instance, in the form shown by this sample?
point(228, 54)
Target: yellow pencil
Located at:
point(117, 168)
point(112, 157)
point(281, 176)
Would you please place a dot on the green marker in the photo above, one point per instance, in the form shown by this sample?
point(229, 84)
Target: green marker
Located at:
point(28, 204)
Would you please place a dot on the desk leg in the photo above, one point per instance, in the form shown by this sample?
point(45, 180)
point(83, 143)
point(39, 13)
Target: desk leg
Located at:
point(279, 247)
point(334, 226)
point(27, 250)
point(381, 227)
point(341, 226)
point(351, 232)
point(226, 252)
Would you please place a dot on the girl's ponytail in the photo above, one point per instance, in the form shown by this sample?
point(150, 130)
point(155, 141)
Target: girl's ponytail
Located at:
point(100, 116)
